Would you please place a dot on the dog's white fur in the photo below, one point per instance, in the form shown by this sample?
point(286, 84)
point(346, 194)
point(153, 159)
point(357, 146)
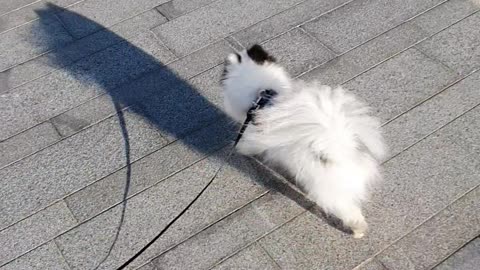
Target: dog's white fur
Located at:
point(323, 137)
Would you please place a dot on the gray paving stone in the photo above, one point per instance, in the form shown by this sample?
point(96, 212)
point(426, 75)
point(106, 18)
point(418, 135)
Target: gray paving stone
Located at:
point(45, 257)
point(105, 14)
point(443, 234)
point(109, 191)
point(42, 65)
point(83, 116)
point(366, 56)
point(418, 183)
point(44, 98)
point(50, 174)
point(451, 11)
point(458, 46)
point(399, 83)
point(284, 21)
point(234, 186)
point(253, 257)
point(27, 142)
point(388, 44)
point(467, 258)
point(208, 24)
point(210, 246)
point(176, 8)
point(297, 51)
point(148, 266)
point(433, 114)
point(31, 40)
point(201, 60)
point(27, 13)
point(355, 23)
point(102, 107)
point(8, 6)
point(371, 264)
point(34, 231)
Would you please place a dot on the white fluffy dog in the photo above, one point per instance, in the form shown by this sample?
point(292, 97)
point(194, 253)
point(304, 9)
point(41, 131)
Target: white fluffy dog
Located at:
point(323, 137)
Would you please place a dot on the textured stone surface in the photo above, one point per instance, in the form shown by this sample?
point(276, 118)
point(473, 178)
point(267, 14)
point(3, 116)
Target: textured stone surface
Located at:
point(230, 234)
point(418, 183)
point(443, 234)
point(27, 13)
point(34, 231)
point(235, 185)
point(189, 32)
point(400, 83)
point(283, 21)
point(297, 51)
point(253, 257)
point(433, 114)
point(104, 13)
point(138, 102)
point(27, 142)
point(44, 64)
point(458, 47)
point(360, 21)
point(44, 257)
point(31, 40)
point(71, 164)
point(176, 8)
point(44, 98)
point(467, 258)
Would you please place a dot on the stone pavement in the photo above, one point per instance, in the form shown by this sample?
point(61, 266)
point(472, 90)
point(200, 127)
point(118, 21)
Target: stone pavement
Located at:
point(111, 122)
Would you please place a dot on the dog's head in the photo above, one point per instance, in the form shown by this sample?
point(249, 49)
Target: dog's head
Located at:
point(246, 74)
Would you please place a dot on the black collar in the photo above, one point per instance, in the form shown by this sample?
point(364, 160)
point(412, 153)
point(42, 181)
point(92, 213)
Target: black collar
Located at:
point(264, 99)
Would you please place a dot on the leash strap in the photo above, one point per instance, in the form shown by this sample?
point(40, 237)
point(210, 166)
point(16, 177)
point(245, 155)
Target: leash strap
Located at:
point(263, 99)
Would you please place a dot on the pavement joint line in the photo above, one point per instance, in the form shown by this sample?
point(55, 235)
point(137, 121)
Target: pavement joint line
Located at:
point(239, 208)
point(458, 80)
point(455, 251)
point(157, 38)
point(269, 256)
point(75, 39)
point(18, 8)
point(63, 138)
point(57, 247)
point(35, 19)
point(55, 15)
point(318, 41)
point(410, 46)
point(382, 164)
point(263, 42)
point(434, 59)
point(123, 167)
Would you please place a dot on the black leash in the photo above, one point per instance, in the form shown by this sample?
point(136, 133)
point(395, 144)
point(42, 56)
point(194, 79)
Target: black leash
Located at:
point(263, 100)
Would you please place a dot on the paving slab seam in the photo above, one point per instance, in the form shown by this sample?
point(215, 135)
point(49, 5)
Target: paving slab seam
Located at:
point(382, 164)
point(285, 10)
point(261, 195)
point(423, 222)
point(318, 41)
point(59, 251)
point(75, 40)
point(390, 120)
point(208, 69)
point(206, 155)
point(436, 60)
point(18, 8)
point(458, 80)
point(269, 256)
point(454, 251)
point(230, 36)
point(33, 20)
point(410, 46)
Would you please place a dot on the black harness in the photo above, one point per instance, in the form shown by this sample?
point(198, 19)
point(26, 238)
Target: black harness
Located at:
point(263, 100)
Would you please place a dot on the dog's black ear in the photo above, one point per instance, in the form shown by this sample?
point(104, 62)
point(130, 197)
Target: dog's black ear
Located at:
point(259, 55)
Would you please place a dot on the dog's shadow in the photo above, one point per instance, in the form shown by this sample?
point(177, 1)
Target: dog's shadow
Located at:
point(158, 95)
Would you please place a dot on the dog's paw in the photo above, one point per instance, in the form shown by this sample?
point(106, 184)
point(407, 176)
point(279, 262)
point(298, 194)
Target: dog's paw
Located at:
point(359, 228)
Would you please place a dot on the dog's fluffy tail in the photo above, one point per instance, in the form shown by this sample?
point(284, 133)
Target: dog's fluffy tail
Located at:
point(332, 123)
